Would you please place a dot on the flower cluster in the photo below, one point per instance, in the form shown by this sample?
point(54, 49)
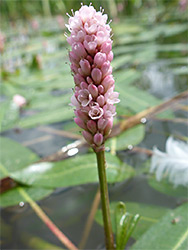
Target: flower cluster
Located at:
point(90, 58)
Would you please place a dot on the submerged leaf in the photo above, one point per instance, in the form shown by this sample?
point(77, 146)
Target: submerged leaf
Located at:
point(173, 163)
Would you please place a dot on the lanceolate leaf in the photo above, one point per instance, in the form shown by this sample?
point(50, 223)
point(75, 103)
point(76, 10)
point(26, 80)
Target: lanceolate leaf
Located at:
point(132, 136)
point(14, 196)
point(14, 156)
point(171, 232)
point(167, 188)
point(74, 171)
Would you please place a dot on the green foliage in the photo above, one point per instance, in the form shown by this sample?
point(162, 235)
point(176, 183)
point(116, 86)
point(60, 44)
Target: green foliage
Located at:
point(167, 188)
point(74, 171)
point(125, 224)
point(14, 196)
point(149, 215)
point(14, 157)
point(171, 232)
point(132, 136)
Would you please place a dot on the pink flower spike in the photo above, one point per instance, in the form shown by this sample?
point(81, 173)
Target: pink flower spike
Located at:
point(87, 136)
point(96, 75)
point(98, 139)
point(94, 96)
point(91, 125)
point(80, 123)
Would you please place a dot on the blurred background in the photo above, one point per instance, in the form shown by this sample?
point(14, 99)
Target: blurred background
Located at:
point(150, 67)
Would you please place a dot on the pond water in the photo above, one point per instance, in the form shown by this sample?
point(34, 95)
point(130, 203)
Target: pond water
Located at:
point(69, 207)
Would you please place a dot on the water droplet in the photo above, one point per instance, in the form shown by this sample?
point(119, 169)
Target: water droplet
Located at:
point(72, 151)
point(21, 204)
point(130, 147)
point(143, 120)
point(107, 149)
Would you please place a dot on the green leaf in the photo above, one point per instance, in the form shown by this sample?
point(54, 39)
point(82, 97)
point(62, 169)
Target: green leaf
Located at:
point(14, 157)
point(132, 136)
point(167, 188)
point(121, 222)
point(74, 171)
point(9, 115)
point(171, 232)
point(149, 215)
point(14, 196)
point(46, 117)
point(125, 224)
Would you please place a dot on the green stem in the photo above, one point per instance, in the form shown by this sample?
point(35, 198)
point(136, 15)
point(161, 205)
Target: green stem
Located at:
point(55, 230)
point(105, 200)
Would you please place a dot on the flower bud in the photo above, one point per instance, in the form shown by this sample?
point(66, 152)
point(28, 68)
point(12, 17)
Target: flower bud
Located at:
point(85, 66)
point(106, 47)
point(98, 139)
point(78, 79)
point(108, 127)
point(101, 89)
point(93, 90)
point(96, 75)
point(80, 123)
point(100, 100)
point(108, 82)
point(79, 50)
point(91, 125)
point(99, 59)
point(110, 56)
point(87, 136)
point(105, 68)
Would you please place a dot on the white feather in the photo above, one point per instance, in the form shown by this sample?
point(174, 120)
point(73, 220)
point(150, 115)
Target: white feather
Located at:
point(172, 164)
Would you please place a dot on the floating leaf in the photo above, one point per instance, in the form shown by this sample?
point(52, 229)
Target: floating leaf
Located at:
point(46, 117)
point(9, 115)
point(14, 157)
point(167, 188)
point(14, 196)
point(74, 171)
point(171, 232)
point(132, 136)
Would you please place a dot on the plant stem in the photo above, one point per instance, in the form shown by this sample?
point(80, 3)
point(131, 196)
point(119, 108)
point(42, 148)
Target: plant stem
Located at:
point(54, 229)
point(90, 220)
point(105, 200)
